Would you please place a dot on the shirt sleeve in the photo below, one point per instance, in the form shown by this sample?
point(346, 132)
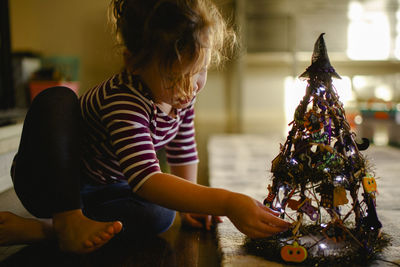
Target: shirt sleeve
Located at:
point(127, 122)
point(182, 150)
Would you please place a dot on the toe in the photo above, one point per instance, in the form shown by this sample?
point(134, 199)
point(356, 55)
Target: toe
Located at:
point(96, 240)
point(110, 230)
point(114, 228)
point(105, 236)
point(117, 227)
point(88, 244)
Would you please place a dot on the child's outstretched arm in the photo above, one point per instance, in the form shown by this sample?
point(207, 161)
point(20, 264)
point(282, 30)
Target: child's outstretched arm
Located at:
point(247, 214)
point(189, 172)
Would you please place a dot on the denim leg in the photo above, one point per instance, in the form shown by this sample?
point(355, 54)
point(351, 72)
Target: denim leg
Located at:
point(117, 202)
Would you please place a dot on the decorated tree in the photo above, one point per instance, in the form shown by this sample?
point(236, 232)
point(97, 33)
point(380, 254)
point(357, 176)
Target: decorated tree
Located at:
point(321, 182)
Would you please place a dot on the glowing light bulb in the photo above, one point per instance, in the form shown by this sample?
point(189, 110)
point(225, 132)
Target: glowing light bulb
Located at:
point(339, 178)
point(320, 90)
point(323, 246)
point(358, 119)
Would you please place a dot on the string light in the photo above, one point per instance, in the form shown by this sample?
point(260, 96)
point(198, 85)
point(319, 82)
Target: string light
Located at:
point(320, 91)
point(339, 178)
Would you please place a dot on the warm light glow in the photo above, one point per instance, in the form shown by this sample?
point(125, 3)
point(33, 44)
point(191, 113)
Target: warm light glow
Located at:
point(359, 82)
point(397, 41)
point(295, 90)
point(343, 88)
point(358, 119)
point(384, 92)
point(368, 33)
point(355, 11)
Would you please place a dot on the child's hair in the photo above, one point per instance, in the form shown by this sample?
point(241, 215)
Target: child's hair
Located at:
point(175, 32)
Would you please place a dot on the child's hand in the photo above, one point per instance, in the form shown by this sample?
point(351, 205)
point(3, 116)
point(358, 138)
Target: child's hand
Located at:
point(252, 218)
point(199, 220)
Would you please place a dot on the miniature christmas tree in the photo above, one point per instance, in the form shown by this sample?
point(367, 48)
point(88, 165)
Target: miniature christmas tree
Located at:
point(321, 182)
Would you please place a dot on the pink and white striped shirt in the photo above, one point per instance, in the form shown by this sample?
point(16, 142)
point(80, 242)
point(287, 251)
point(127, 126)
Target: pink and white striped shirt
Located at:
point(123, 129)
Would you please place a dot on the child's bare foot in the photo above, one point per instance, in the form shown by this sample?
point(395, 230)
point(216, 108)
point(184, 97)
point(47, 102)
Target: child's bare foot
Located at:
point(79, 234)
point(18, 230)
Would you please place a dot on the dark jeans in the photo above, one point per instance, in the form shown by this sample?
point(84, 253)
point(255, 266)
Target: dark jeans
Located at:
point(47, 177)
point(117, 202)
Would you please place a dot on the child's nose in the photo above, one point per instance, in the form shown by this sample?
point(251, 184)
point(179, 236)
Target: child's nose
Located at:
point(196, 87)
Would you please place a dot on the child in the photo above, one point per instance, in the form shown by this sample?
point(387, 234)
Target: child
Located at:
point(92, 167)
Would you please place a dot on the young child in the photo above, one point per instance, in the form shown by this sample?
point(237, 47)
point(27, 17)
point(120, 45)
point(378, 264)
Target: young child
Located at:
point(90, 165)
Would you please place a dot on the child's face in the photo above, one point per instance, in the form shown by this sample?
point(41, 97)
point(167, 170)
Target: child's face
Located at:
point(198, 81)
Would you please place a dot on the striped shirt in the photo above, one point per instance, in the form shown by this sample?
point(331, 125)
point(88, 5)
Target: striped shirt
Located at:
point(123, 129)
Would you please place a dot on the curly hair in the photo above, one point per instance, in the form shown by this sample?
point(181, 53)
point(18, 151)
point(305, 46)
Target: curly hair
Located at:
point(173, 32)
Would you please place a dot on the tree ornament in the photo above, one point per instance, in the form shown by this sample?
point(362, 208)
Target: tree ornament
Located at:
point(339, 196)
point(293, 253)
point(270, 198)
point(308, 209)
point(312, 122)
point(371, 221)
point(369, 184)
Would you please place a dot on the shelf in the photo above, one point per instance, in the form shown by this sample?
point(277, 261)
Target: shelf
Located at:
point(339, 61)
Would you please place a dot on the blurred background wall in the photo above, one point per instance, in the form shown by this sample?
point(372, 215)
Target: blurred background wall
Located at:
point(67, 28)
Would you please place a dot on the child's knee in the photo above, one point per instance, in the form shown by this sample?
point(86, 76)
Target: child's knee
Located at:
point(55, 94)
point(165, 221)
point(154, 222)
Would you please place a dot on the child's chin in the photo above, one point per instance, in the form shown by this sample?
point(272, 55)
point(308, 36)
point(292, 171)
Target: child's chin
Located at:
point(181, 106)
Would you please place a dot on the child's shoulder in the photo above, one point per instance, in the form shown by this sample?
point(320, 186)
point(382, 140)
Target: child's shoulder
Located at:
point(119, 85)
point(119, 82)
